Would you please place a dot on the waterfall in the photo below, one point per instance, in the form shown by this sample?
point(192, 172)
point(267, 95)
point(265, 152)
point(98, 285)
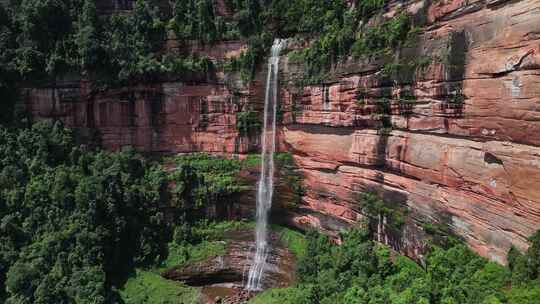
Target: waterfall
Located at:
point(266, 181)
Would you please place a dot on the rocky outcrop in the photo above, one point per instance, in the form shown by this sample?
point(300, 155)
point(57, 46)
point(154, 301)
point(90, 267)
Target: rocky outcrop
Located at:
point(472, 164)
point(232, 267)
point(463, 153)
point(481, 186)
point(165, 117)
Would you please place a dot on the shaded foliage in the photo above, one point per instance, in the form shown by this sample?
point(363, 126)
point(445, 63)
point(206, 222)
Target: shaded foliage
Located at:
point(55, 37)
point(248, 123)
point(44, 40)
point(361, 271)
point(198, 20)
point(201, 179)
point(74, 223)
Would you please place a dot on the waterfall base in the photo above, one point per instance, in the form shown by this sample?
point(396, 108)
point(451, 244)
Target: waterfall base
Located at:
point(223, 277)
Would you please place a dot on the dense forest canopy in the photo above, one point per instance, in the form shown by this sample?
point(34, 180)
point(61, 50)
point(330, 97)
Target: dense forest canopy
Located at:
point(360, 271)
point(75, 222)
point(44, 41)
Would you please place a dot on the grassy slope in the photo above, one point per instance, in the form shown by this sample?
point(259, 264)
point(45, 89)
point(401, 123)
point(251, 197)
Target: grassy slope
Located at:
point(290, 295)
point(147, 286)
point(297, 243)
point(294, 240)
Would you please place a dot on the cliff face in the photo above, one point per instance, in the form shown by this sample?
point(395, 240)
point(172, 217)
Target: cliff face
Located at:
point(162, 117)
point(473, 165)
point(464, 153)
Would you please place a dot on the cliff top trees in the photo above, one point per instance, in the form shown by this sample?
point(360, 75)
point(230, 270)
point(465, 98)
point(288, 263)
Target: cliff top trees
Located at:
point(196, 20)
point(45, 38)
point(58, 37)
point(88, 37)
point(7, 79)
point(134, 41)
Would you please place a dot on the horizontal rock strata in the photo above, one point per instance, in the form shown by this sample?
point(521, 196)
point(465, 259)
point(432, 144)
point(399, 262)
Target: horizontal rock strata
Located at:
point(464, 152)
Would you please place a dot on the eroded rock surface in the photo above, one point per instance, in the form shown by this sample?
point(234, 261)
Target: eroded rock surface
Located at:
point(471, 165)
point(465, 153)
point(232, 268)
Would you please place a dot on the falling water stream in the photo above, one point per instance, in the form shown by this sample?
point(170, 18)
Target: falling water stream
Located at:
point(266, 182)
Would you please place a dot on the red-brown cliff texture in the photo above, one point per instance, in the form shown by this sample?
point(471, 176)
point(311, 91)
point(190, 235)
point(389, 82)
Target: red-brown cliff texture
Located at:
point(465, 152)
point(171, 116)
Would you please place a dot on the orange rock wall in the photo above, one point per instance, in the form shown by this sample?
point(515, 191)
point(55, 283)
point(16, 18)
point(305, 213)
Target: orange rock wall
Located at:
point(473, 166)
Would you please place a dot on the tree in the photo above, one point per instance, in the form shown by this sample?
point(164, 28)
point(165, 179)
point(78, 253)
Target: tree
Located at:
point(74, 222)
point(8, 77)
point(45, 41)
point(87, 37)
point(533, 256)
point(134, 40)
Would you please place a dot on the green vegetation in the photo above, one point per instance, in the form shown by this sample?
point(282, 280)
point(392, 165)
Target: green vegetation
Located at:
point(215, 231)
point(8, 92)
point(197, 20)
point(150, 287)
point(189, 244)
point(336, 32)
point(248, 123)
point(526, 267)
point(457, 98)
point(386, 37)
point(75, 223)
point(291, 176)
point(134, 40)
point(45, 40)
point(246, 63)
point(284, 158)
point(344, 34)
point(199, 241)
point(83, 226)
point(440, 233)
point(364, 272)
point(377, 209)
point(79, 225)
point(42, 41)
point(180, 254)
point(292, 295)
point(252, 161)
point(337, 25)
point(209, 179)
point(294, 240)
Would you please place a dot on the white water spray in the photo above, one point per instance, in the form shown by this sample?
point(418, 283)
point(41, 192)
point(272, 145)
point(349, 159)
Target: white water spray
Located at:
point(266, 181)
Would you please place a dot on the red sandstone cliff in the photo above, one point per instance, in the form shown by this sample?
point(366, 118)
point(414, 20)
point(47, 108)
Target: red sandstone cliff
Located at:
point(472, 165)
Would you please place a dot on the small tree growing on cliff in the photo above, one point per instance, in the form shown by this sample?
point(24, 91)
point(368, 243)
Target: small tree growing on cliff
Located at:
point(526, 267)
point(87, 36)
point(382, 213)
